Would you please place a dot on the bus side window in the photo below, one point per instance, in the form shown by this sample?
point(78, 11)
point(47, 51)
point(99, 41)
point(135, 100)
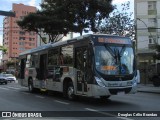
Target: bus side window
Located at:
point(53, 56)
point(60, 60)
point(67, 52)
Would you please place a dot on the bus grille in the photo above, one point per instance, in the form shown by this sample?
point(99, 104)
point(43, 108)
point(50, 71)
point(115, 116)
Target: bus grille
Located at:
point(115, 91)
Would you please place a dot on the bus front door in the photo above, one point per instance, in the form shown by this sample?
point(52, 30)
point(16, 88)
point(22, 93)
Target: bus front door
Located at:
point(80, 64)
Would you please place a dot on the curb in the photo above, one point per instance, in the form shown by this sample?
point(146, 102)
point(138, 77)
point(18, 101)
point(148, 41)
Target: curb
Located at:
point(148, 91)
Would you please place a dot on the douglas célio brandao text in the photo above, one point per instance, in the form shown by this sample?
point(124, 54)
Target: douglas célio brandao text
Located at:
point(134, 114)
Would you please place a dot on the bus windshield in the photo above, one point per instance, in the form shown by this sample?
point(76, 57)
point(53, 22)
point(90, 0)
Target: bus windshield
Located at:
point(114, 60)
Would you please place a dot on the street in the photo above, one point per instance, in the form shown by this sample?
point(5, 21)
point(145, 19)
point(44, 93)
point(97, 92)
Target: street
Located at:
point(13, 97)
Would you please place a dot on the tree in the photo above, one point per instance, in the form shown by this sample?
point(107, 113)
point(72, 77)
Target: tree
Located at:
point(3, 49)
point(38, 22)
point(157, 55)
point(120, 22)
point(80, 14)
point(58, 17)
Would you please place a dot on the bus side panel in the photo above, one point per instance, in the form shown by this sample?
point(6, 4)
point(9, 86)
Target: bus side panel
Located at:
point(53, 85)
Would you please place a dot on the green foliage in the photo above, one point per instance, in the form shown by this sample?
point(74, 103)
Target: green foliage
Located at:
point(120, 22)
point(78, 14)
point(3, 49)
point(10, 63)
point(157, 55)
point(58, 17)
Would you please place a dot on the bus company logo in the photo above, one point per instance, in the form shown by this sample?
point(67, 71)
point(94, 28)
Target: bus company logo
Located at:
point(6, 114)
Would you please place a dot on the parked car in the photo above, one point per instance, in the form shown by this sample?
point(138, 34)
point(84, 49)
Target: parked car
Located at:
point(2, 79)
point(9, 77)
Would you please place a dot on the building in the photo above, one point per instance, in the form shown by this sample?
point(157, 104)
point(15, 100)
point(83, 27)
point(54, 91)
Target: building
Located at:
point(14, 38)
point(147, 16)
point(147, 19)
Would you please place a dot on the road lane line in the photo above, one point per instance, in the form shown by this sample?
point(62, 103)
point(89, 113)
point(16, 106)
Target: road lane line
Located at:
point(13, 87)
point(39, 96)
point(108, 114)
point(25, 93)
point(61, 102)
point(125, 118)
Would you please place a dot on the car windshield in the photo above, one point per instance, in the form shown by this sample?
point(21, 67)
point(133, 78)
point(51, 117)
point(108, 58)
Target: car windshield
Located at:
point(114, 60)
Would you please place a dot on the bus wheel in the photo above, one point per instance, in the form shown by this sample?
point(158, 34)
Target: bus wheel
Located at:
point(103, 98)
point(30, 86)
point(70, 92)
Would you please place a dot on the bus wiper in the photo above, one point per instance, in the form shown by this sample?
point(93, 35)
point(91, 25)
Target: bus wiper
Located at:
point(122, 50)
point(114, 53)
point(110, 50)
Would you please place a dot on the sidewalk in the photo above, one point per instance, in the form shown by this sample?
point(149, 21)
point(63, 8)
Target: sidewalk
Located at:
point(149, 88)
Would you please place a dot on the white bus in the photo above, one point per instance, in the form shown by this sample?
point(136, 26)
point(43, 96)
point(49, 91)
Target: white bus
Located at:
point(96, 65)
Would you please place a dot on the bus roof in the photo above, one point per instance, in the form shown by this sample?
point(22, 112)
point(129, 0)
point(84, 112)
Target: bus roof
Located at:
point(59, 43)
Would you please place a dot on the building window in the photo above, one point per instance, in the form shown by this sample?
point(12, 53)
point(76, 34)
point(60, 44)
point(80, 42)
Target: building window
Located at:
point(21, 38)
point(31, 33)
point(152, 9)
point(152, 39)
point(151, 5)
point(22, 33)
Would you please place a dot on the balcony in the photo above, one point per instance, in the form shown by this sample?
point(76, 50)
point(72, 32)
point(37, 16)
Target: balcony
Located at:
point(151, 46)
point(152, 12)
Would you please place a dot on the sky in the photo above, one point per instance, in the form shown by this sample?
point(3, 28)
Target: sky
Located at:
point(6, 5)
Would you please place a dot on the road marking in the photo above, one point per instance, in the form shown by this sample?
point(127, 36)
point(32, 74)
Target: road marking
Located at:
point(125, 118)
point(25, 93)
point(61, 102)
point(108, 114)
point(39, 96)
point(13, 87)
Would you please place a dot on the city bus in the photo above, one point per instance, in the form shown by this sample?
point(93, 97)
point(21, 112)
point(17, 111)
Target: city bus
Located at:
point(93, 65)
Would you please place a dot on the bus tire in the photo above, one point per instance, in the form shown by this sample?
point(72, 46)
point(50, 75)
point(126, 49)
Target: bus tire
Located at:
point(103, 98)
point(70, 91)
point(30, 85)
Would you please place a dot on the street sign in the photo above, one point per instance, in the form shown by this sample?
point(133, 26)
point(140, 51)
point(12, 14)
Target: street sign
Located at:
point(5, 13)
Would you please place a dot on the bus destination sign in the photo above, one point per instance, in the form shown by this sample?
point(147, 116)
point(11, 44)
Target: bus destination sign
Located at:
point(114, 40)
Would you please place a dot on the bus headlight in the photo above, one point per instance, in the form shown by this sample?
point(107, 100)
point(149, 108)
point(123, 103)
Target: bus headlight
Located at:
point(135, 81)
point(138, 76)
point(99, 82)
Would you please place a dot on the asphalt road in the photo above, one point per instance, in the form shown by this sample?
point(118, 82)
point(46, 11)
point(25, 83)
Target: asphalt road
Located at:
point(14, 98)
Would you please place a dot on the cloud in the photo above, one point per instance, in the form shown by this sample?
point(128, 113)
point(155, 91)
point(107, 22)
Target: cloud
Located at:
point(119, 1)
point(32, 2)
point(15, 0)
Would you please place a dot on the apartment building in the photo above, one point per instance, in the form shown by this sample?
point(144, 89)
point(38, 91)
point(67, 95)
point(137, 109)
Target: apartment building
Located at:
point(147, 18)
point(14, 38)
